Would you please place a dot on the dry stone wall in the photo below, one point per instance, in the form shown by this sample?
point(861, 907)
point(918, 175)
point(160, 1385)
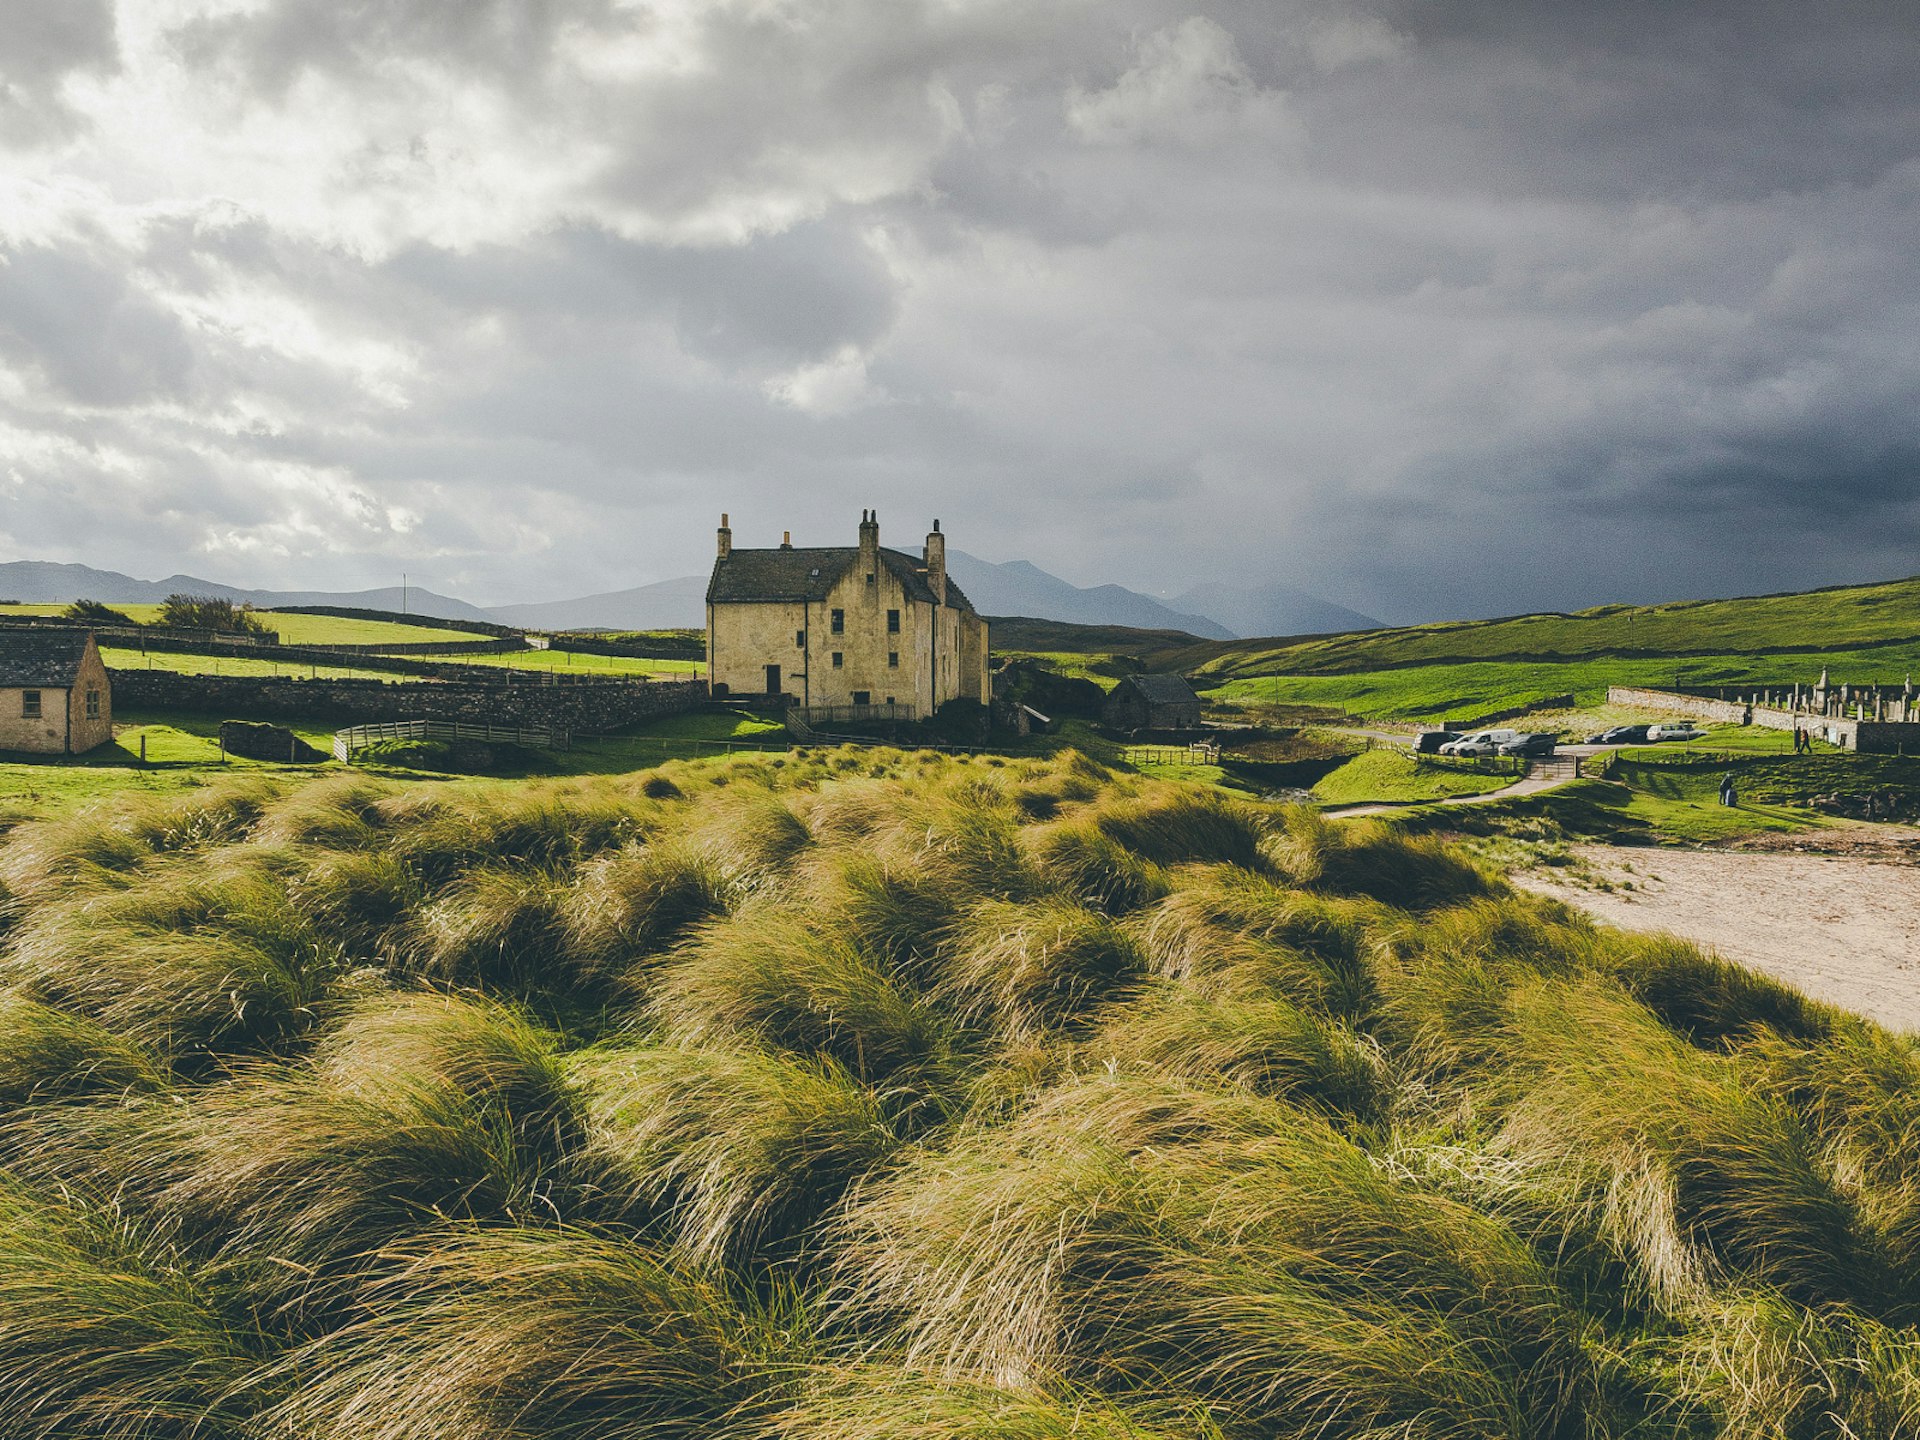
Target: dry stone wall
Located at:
point(583, 709)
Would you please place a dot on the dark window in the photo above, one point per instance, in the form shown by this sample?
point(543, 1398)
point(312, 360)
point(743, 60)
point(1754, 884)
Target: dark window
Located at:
point(839, 622)
point(93, 703)
point(800, 638)
point(893, 659)
point(893, 622)
point(837, 658)
point(889, 699)
point(870, 577)
point(29, 704)
point(863, 697)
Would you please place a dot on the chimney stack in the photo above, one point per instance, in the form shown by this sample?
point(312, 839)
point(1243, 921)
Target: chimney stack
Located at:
point(870, 541)
point(937, 563)
point(726, 537)
point(786, 539)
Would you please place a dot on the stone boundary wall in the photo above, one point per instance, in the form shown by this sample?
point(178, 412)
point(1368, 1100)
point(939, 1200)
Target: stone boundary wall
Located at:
point(479, 645)
point(1699, 707)
point(396, 617)
point(582, 709)
point(689, 649)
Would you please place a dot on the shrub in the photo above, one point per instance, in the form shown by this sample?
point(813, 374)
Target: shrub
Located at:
point(209, 612)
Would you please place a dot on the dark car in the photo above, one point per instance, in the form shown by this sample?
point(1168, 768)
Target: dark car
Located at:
point(1430, 741)
point(1536, 746)
point(1625, 735)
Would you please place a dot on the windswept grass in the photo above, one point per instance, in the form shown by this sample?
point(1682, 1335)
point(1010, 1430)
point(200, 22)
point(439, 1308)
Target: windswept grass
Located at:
point(862, 1094)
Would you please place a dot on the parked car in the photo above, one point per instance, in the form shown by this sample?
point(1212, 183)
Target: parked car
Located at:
point(1536, 745)
point(1660, 734)
point(1624, 735)
point(1430, 742)
point(1481, 742)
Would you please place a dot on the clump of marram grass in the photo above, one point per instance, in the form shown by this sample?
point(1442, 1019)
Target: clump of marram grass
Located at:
point(802, 985)
point(193, 964)
point(495, 926)
point(541, 826)
point(1023, 970)
point(1226, 932)
point(97, 1340)
point(740, 1152)
point(1647, 1126)
point(629, 905)
point(47, 1054)
point(1117, 1232)
point(1085, 862)
point(339, 812)
point(360, 900)
point(1259, 1043)
point(888, 1402)
point(1370, 858)
point(1711, 1000)
point(1177, 825)
point(482, 1334)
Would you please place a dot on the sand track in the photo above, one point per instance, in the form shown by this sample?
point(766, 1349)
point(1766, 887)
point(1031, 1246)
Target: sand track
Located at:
point(1843, 928)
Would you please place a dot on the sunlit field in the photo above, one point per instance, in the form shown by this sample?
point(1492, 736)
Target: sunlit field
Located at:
point(878, 1094)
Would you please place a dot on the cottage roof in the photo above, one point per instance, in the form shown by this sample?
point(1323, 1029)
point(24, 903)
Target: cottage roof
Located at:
point(43, 657)
point(810, 574)
point(1163, 689)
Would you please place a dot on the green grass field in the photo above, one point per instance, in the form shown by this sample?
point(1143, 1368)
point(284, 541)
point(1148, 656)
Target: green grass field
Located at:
point(569, 663)
point(1394, 776)
point(876, 1095)
point(117, 658)
point(351, 630)
point(1424, 692)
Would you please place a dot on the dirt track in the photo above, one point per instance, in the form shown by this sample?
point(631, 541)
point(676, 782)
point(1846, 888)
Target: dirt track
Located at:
point(1843, 928)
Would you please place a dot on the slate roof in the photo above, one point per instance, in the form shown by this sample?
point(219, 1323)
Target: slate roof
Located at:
point(746, 576)
point(1163, 689)
point(43, 658)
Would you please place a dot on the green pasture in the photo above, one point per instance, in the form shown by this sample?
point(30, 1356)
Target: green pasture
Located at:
point(1388, 775)
point(1431, 692)
point(567, 662)
point(117, 658)
point(352, 630)
point(1839, 619)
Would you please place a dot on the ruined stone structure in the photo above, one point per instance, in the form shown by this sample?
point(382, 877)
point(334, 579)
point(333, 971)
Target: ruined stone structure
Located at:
point(55, 697)
point(1152, 702)
point(1873, 719)
point(844, 626)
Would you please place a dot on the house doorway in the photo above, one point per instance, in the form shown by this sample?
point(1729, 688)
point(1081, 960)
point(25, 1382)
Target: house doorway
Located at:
point(773, 679)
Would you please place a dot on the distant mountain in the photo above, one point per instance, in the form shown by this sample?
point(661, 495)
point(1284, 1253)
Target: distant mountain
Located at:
point(1020, 587)
point(664, 605)
point(1248, 610)
point(40, 582)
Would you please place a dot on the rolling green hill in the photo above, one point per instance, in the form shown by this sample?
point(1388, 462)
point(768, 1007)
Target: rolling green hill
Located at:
point(1842, 620)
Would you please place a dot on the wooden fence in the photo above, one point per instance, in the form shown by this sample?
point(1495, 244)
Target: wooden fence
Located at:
point(358, 737)
point(1197, 752)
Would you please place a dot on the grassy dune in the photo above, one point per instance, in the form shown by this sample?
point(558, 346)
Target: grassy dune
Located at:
point(866, 1095)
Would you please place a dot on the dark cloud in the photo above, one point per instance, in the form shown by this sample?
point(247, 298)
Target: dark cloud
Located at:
point(43, 44)
point(1430, 308)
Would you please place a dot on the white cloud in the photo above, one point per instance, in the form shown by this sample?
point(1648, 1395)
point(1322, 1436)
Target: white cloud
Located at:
point(1187, 83)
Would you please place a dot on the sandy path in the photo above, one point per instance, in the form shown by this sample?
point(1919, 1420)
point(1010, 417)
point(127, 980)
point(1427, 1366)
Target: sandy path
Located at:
point(1842, 928)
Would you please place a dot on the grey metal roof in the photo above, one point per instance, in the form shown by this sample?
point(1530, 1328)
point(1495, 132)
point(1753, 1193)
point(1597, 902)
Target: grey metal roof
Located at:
point(40, 657)
point(746, 576)
point(1163, 689)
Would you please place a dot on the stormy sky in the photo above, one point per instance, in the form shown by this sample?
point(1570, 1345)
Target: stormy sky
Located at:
point(1431, 307)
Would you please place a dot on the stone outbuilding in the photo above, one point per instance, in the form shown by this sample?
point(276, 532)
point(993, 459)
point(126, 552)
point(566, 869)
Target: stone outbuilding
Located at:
point(55, 697)
point(1152, 702)
point(839, 627)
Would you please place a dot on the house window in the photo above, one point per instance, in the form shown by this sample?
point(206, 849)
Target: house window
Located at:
point(837, 659)
point(29, 704)
point(893, 659)
point(800, 639)
point(871, 577)
point(839, 622)
point(863, 697)
point(893, 622)
point(93, 702)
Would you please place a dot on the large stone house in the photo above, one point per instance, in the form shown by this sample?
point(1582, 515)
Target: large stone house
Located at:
point(851, 625)
point(55, 698)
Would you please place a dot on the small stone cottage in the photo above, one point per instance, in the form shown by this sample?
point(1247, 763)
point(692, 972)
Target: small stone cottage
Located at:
point(55, 698)
point(1152, 702)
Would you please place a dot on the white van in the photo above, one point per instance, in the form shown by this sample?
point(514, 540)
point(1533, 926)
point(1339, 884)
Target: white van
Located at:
point(1481, 742)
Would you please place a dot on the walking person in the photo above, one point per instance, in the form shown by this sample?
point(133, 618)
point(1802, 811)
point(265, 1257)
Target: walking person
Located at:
point(1727, 796)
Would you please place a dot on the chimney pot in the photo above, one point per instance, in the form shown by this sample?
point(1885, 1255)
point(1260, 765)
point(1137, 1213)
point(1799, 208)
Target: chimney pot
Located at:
point(786, 539)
